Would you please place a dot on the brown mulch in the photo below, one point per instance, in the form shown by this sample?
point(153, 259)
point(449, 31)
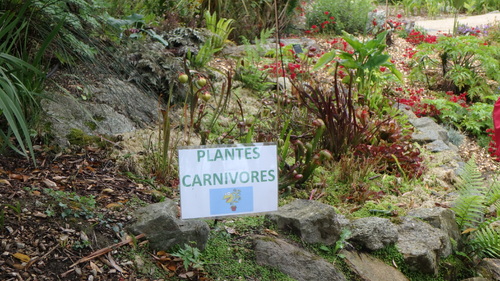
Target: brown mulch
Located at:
point(37, 243)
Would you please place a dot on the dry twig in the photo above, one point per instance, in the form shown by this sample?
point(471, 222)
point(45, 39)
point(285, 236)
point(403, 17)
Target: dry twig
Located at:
point(108, 249)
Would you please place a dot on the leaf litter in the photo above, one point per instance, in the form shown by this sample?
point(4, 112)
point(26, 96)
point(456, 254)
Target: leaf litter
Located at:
point(68, 207)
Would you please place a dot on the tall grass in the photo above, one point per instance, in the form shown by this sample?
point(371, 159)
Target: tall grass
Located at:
point(21, 79)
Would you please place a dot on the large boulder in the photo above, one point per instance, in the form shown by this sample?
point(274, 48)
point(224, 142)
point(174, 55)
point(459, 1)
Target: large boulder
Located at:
point(164, 230)
point(368, 268)
point(443, 219)
point(111, 107)
point(312, 221)
point(421, 245)
point(373, 233)
point(294, 261)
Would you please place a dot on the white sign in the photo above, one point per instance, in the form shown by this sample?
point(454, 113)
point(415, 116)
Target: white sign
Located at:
point(228, 180)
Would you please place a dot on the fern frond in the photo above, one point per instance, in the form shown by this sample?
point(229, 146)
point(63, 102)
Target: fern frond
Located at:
point(470, 205)
point(469, 210)
point(486, 242)
point(471, 178)
point(493, 195)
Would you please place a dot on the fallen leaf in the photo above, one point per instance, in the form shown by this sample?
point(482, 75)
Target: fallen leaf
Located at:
point(272, 232)
point(468, 230)
point(84, 236)
point(108, 190)
point(186, 275)
point(21, 257)
point(163, 266)
point(230, 230)
point(39, 215)
point(49, 183)
point(36, 193)
point(172, 266)
point(161, 253)
point(5, 182)
point(114, 264)
point(18, 266)
point(16, 177)
point(113, 205)
point(95, 267)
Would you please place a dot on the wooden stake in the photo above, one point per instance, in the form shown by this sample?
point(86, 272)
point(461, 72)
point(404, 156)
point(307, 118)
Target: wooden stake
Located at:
point(108, 249)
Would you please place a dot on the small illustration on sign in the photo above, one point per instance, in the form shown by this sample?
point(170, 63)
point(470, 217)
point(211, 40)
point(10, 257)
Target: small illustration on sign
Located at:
point(231, 200)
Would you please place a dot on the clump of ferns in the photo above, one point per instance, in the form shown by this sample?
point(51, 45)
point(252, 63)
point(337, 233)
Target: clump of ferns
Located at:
point(480, 227)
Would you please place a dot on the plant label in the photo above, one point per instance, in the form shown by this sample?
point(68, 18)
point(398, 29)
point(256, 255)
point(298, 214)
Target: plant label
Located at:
point(228, 180)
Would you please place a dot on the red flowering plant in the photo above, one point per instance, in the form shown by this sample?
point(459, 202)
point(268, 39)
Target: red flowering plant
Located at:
point(416, 37)
point(414, 100)
point(295, 62)
point(323, 23)
point(449, 108)
point(350, 127)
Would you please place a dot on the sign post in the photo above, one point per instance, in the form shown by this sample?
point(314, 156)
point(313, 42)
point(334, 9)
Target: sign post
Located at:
point(228, 180)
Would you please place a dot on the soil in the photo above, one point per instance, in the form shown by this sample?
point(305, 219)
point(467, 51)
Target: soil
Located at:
point(37, 242)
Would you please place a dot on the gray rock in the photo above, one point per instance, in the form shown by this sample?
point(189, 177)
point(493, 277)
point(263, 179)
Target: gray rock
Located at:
point(269, 45)
point(443, 219)
point(437, 146)
point(294, 261)
point(164, 230)
point(343, 221)
point(284, 84)
point(312, 221)
point(121, 96)
point(373, 233)
point(428, 130)
point(113, 107)
point(406, 110)
point(369, 268)
point(476, 279)
point(421, 245)
point(304, 42)
point(490, 269)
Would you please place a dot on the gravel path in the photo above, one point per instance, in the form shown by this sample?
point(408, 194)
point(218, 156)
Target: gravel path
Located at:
point(446, 25)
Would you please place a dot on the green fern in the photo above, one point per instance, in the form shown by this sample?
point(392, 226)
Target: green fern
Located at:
point(493, 195)
point(469, 210)
point(482, 237)
point(470, 205)
point(220, 28)
point(485, 241)
point(471, 178)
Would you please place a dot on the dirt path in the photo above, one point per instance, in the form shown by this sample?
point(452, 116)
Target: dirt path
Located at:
point(446, 25)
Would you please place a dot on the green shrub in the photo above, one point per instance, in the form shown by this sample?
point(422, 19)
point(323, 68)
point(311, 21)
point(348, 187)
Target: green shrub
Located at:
point(21, 78)
point(253, 16)
point(350, 16)
point(465, 63)
point(474, 119)
point(481, 6)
